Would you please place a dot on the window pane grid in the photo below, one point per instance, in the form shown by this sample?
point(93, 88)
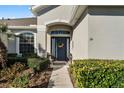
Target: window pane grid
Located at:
point(26, 43)
point(60, 32)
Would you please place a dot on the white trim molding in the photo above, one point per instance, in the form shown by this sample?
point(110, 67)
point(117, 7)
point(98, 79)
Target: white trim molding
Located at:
point(35, 43)
point(57, 21)
point(37, 8)
point(76, 13)
point(17, 45)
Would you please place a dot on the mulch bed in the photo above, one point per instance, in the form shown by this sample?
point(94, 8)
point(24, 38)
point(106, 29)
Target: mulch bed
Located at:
point(39, 80)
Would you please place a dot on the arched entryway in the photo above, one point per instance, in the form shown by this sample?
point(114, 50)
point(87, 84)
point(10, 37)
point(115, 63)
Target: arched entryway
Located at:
point(60, 41)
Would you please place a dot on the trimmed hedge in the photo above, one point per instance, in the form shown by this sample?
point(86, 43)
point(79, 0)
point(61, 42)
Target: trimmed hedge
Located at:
point(30, 55)
point(12, 54)
point(98, 73)
point(38, 64)
point(13, 60)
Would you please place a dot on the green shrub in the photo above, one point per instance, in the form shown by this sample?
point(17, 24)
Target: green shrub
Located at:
point(33, 63)
point(30, 55)
point(24, 55)
point(13, 60)
point(21, 82)
point(12, 54)
point(98, 73)
point(38, 63)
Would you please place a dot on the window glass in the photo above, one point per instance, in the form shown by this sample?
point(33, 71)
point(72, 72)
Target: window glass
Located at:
point(60, 32)
point(26, 43)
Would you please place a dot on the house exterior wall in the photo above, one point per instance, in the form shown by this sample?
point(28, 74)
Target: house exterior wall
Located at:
point(58, 14)
point(9, 43)
point(41, 40)
point(98, 35)
point(106, 29)
point(17, 26)
point(79, 42)
point(4, 39)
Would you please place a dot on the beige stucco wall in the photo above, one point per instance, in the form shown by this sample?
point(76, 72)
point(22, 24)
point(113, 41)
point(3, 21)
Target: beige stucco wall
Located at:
point(9, 43)
point(41, 41)
point(4, 39)
point(58, 14)
point(100, 34)
point(79, 43)
point(107, 32)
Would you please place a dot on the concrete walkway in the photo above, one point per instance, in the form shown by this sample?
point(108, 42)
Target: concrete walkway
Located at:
point(60, 77)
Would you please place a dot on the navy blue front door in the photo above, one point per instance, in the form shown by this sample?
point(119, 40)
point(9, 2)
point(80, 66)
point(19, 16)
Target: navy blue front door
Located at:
point(60, 48)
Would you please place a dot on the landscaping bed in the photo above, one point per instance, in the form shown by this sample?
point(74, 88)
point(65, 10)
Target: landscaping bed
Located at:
point(95, 73)
point(33, 74)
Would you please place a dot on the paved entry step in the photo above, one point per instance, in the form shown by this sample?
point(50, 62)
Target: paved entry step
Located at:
point(59, 63)
point(60, 77)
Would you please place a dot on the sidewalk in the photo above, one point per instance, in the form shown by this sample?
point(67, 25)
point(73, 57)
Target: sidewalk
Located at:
point(60, 77)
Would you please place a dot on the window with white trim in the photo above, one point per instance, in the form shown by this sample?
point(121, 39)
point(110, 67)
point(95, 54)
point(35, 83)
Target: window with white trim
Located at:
point(26, 43)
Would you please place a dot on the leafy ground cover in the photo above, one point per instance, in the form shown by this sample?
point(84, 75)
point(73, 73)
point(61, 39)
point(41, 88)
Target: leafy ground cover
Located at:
point(97, 73)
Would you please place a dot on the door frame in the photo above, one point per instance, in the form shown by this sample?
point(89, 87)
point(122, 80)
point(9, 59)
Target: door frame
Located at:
point(67, 48)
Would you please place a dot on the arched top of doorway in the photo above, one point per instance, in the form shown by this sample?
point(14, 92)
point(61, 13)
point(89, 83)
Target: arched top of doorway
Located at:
point(23, 32)
point(56, 26)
